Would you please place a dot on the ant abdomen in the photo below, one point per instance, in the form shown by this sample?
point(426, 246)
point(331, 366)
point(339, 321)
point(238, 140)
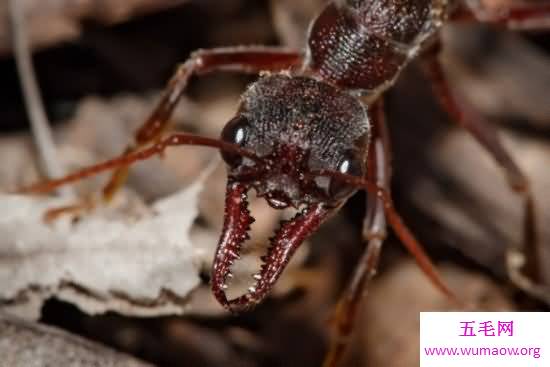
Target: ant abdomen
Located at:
point(364, 44)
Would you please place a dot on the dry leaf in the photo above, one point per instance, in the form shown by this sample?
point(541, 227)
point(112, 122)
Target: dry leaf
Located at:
point(144, 265)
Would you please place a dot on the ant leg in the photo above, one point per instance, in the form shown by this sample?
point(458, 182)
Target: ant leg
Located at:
point(526, 16)
point(250, 60)
point(238, 59)
point(374, 234)
point(486, 135)
point(379, 209)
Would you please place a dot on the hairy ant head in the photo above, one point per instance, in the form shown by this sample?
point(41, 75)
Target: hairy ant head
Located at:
point(295, 126)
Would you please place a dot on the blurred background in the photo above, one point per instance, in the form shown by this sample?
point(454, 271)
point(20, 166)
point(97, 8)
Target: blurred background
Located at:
point(101, 65)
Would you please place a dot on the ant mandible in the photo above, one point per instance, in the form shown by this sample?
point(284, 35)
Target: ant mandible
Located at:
point(305, 137)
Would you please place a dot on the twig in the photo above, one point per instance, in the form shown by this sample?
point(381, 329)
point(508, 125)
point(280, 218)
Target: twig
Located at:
point(48, 161)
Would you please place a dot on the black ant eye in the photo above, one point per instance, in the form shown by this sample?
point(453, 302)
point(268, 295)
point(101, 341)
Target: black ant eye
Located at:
point(235, 132)
point(349, 165)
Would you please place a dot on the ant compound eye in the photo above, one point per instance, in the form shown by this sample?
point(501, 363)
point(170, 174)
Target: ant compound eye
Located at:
point(235, 132)
point(349, 165)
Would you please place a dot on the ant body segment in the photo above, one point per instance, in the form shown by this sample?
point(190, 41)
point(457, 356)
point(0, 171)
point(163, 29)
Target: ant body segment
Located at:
point(304, 136)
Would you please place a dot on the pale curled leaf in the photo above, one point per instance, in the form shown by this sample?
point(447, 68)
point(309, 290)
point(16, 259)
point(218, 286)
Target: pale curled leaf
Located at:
point(135, 266)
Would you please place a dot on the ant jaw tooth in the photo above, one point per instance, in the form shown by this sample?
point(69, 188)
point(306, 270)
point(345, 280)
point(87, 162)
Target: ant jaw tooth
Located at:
point(257, 276)
point(233, 254)
point(252, 289)
point(230, 275)
point(225, 286)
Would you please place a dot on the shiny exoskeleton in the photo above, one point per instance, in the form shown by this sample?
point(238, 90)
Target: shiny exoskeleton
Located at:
point(310, 118)
point(364, 45)
point(310, 132)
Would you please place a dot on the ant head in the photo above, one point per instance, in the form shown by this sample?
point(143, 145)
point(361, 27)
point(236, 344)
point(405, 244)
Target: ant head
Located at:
point(295, 126)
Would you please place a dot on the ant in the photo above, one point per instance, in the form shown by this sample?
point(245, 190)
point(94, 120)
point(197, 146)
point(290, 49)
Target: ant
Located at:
point(310, 132)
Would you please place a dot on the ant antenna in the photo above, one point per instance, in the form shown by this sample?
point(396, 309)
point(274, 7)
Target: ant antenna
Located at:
point(398, 225)
point(140, 155)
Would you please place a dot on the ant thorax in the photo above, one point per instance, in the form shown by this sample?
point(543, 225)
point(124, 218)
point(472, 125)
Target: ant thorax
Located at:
point(363, 45)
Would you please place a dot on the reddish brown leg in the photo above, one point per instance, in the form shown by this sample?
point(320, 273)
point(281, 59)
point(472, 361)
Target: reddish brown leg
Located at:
point(239, 59)
point(379, 207)
point(517, 15)
point(374, 234)
point(482, 130)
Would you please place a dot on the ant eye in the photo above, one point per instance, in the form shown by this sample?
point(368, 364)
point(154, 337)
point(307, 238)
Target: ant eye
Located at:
point(349, 165)
point(235, 132)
